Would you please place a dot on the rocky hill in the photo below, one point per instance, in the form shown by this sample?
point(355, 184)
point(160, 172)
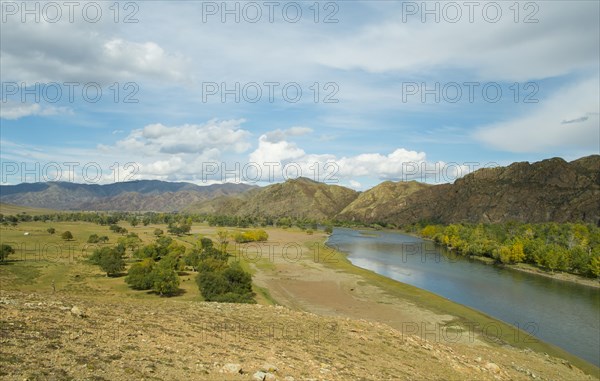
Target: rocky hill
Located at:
point(64, 337)
point(143, 195)
point(298, 198)
point(549, 190)
point(380, 202)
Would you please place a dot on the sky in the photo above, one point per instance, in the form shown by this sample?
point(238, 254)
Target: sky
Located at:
point(343, 92)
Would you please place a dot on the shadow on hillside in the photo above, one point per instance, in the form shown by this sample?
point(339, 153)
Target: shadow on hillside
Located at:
point(179, 292)
point(8, 262)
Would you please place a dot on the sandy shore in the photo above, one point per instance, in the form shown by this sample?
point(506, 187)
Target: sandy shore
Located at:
point(565, 277)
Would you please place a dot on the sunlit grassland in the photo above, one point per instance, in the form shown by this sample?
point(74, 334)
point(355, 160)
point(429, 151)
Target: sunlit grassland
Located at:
point(42, 259)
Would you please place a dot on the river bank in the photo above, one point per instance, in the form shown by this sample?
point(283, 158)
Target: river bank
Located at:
point(318, 279)
point(565, 277)
point(523, 267)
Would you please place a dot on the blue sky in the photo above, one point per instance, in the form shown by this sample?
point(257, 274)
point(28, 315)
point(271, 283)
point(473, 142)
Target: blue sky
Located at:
point(400, 89)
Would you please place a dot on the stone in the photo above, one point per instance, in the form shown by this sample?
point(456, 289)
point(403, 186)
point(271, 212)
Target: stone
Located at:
point(76, 311)
point(259, 376)
point(232, 368)
point(492, 367)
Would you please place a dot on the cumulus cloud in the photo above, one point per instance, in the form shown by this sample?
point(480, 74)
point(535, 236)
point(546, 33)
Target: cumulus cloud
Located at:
point(399, 165)
point(181, 152)
point(69, 52)
point(568, 119)
point(212, 137)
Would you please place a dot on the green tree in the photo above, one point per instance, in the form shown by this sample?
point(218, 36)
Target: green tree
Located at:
point(67, 236)
point(93, 238)
point(5, 251)
point(206, 243)
point(240, 282)
point(148, 251)
point(594, 266)
point(158, 232)
point(51, 230)
point(131, 241)
point(111, 262)
point(140, 275)
point(192, 258)
point(221, 283)
point(165, 280)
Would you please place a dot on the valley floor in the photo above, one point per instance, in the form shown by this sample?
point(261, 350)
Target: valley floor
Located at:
point(332, 321)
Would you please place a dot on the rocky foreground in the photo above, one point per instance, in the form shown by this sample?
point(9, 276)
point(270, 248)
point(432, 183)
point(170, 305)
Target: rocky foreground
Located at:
point(64, 337)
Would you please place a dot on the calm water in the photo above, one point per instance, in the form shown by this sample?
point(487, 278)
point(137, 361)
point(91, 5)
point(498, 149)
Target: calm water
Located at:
point(564, 314)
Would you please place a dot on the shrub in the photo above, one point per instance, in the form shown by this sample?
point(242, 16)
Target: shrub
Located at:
point(258, 235)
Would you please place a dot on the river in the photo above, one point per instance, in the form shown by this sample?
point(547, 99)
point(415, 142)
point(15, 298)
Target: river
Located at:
point(564, 314)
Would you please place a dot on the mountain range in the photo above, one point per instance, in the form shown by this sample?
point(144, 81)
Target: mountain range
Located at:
point(549, 190)
point(146, 195)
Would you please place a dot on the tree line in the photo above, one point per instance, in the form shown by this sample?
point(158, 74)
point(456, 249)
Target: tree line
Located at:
point(568, 247)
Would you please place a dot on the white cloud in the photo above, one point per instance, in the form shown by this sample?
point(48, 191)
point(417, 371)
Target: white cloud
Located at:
point(565, 39)
point(15, 110)
point(181, 152)
point(568, 119)
point(280, 151)
point(211, 137)
point(401, 164)
point(83, 52)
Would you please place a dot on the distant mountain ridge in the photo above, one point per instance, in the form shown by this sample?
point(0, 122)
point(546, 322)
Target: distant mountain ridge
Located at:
point(549, 190)
point(147, 195)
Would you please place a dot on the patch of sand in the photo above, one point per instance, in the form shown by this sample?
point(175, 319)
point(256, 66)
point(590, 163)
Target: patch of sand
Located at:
point(301, 283)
